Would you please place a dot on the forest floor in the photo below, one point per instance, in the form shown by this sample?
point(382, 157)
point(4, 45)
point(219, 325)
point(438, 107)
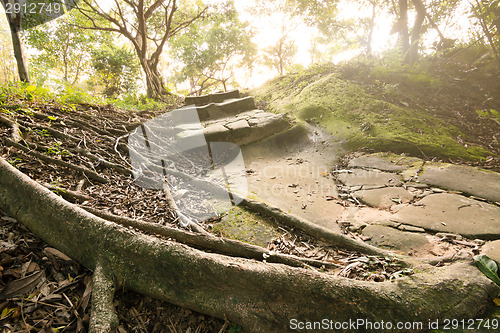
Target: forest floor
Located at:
point(42, 289)
point(79, 152)
point(45, 291)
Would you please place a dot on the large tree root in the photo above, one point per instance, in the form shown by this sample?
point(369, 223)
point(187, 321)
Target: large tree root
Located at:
point(262, 297)
point(229, 247)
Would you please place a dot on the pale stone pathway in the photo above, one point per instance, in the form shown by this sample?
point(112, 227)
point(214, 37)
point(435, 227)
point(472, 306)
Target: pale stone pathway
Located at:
point(424, 198)
point(401, 203)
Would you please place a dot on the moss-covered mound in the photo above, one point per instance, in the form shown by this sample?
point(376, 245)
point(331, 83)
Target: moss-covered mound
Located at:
point(350, 110)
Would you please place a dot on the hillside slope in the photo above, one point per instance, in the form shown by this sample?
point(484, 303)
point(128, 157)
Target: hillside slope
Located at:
point(415, 111)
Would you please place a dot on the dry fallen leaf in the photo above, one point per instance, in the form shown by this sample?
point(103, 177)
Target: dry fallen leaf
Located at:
point(19, 287)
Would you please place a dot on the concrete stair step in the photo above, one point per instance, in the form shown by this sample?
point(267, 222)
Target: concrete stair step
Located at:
point(241, 131)
point(212, 98)
point(228, 108)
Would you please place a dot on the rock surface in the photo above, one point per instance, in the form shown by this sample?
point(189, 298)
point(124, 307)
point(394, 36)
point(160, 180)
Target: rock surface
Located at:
point(453, 213)
point(393, 239)
point(480, 183)
point(492, 250)
point(369, 178)
point(384, 197)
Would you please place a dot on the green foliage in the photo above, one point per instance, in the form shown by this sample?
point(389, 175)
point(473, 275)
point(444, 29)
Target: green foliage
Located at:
point(211, 49)
point(489, 113)
point(235, 328)
point(75, 95)
point(488, 266)
point(117, 68)
point(18, 92)
point(56, 149)
point(63, 48)
point(281, 55)
point(487, 13)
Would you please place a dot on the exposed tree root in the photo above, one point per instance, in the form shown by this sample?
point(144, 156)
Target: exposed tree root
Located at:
point(15, 132)
point(102, 161)
point(52, 131)
point(69, 195)
point(262, 297)
point(89, 173)
point(229, 247)
point(185, 221)
point(312, 229)
point(103, 317)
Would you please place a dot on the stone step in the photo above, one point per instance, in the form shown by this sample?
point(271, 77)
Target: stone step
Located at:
point(241, 131)
point(228, 108)
point(212, 98)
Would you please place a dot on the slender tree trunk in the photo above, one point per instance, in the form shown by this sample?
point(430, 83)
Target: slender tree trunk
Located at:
point(372, 26)
point(411, 57)
point(15, 28)
point(403, 22)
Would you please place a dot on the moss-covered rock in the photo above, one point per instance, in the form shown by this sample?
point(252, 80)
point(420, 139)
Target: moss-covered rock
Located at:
point(361, 120)
point(245, 226)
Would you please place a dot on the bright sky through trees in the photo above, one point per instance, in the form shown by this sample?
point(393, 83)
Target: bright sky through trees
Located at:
point(267, 33)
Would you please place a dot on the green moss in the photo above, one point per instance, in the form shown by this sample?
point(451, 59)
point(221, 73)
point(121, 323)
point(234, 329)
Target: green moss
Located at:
point(491, 113)
point(245, 226)
point(361, 120)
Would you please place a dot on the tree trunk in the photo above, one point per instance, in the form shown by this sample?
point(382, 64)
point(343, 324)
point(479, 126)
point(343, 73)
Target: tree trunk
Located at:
point(372, 27)
point(262, 297)
point(412, 55)
point(15, 28)
point(403, 26)
point(154, 82)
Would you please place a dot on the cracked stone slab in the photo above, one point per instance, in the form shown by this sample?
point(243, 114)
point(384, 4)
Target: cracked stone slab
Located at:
point(394, 239)
point(237, 125)
point(265, 121)
point(384, 197)
point(369, 178)
point(383, 162)
point(453, 213)
point(492, 250)
point(470, 180)
point(214, 130)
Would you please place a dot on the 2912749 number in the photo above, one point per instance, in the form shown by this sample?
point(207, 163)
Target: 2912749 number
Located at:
point(471, 324)
point(33, 8)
